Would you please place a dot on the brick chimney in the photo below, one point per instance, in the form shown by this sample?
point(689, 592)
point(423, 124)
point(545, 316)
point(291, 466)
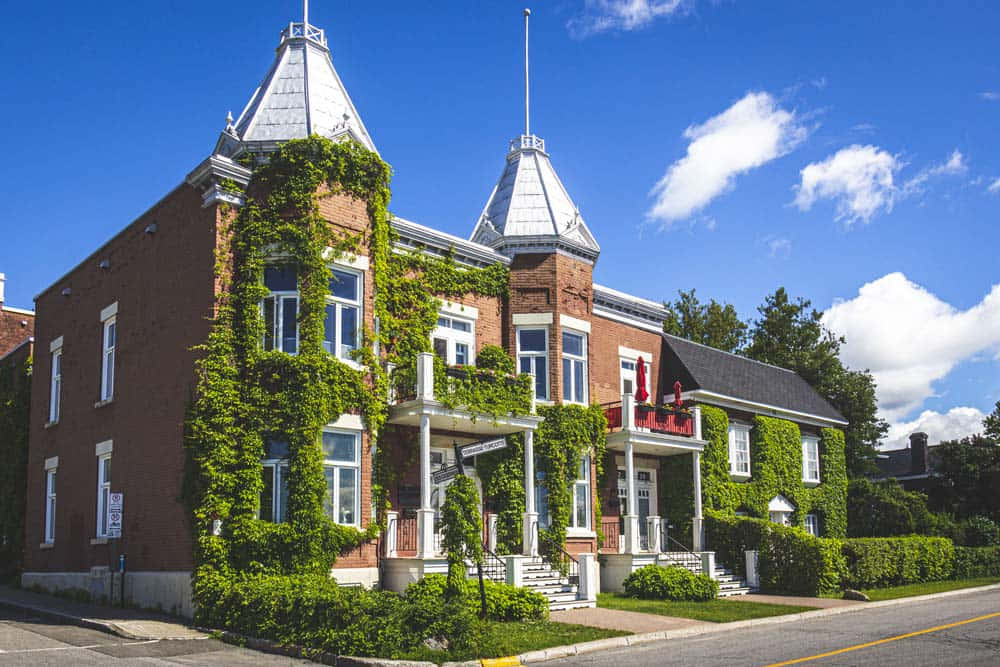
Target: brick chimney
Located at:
point(918, 453)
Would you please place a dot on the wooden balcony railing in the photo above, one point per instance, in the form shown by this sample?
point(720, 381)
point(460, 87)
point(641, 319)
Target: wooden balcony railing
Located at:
point(658, 419)
point(611, 528)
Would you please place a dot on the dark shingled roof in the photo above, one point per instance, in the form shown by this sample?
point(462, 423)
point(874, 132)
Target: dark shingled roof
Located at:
point(899, 462)
point(701, 367)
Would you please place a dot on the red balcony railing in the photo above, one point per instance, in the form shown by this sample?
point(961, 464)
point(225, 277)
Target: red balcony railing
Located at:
point(658, 419)
point(612, 534)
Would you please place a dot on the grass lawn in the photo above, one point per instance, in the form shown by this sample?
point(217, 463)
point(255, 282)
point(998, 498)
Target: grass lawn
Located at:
point(927, 588)
point(713, 611)
point(503, 639)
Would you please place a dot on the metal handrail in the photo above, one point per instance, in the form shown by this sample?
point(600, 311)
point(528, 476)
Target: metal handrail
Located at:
point(679, 544)
point(573, 569)
point(494, 567)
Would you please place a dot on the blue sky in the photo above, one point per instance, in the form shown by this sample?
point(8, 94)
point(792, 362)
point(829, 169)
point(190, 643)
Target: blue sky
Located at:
point(845, 151)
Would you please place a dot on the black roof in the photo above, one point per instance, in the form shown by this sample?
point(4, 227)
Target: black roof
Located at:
point(701, 367)
point(899, 462)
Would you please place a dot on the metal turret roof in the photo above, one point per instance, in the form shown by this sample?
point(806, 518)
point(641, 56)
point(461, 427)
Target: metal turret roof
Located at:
point(301, 95)
point(530, 210)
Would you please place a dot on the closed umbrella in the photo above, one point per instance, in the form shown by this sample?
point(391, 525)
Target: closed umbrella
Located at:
point(640, 379)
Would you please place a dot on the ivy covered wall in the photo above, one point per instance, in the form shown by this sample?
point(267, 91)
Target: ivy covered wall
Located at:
point(775, 466)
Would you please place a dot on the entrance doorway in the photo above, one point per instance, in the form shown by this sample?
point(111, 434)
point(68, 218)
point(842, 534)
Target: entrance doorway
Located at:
point(645, 491)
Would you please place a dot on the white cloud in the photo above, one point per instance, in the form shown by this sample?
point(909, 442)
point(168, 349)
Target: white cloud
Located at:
point(779, 247)
point(858, 178)
point(604, 15)
point(750, 133)
point(863, 127)
point(952, 425)
point(954, 165)
point(910, 339)
point(990, 95)
point(994, 186)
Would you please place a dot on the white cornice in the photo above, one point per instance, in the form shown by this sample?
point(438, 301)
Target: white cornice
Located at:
point(218, 167)
point(19, 311)
point(723, 401)
point(414, 236)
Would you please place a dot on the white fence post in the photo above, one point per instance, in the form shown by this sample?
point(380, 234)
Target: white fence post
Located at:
point(515, 570)
point(753, 569)
point(391, 533)
point(587, 588)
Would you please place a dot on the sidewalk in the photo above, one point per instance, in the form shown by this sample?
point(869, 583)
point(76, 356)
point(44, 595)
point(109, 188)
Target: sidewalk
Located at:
point(628, 621)
point(128, 623)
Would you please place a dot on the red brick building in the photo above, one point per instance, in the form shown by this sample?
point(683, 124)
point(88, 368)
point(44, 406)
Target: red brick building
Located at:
point(121, 327)
point(17, 325)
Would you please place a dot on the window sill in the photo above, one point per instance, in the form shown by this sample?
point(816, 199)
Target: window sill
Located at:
point(580, 532)
point(94, 541)
point(47, 545)
point(810, 483)
point(739, 476)
point(350, 363)
point(106, 401)
point(51, 424)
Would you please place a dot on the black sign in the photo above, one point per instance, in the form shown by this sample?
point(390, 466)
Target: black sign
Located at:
point(444, 474)
point(481, 447)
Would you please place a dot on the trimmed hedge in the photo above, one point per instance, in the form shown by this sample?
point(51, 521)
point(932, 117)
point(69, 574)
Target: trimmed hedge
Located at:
point(975, 562)
point(731, 536)
point(503, 602)
point(793, 561)
point(654, 582)
point(880, 562)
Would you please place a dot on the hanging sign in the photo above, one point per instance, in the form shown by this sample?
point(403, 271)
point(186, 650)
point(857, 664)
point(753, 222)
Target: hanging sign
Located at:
point(481, 447)
point(444, 474)
point(115, 503)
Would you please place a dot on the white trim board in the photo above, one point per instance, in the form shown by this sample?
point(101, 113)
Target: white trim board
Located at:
point(459, 309)
point(721, 400)
point(532, 319)
point(574, 323)
point(103, 448)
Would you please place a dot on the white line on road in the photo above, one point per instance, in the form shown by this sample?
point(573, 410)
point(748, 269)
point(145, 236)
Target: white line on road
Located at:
point(77, 648)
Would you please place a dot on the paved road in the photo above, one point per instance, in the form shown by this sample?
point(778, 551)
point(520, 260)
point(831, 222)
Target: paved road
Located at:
point(28, 640)
point(971, 643)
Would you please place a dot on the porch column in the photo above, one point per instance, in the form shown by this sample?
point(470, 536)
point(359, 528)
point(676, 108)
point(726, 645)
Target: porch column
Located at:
point(529, 542)
point(425, 515)
point(697, 525)
point(631, 518)
point(391, 530)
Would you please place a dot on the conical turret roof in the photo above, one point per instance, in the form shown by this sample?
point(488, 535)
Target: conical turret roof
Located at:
point(301, 95)
point(530, 210)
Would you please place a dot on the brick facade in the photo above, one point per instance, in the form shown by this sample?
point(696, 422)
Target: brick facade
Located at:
point(16, 326)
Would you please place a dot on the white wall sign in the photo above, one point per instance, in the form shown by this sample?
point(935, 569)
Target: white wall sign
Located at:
point(115, 503)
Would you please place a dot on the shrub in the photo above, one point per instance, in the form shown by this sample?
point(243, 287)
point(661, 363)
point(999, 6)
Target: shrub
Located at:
point(874, 563)
point(731, 536)
point(654, 582)
point(980, 531)
point(793, 561)
point(973, 562)
point(494, 357)
point(503, 602)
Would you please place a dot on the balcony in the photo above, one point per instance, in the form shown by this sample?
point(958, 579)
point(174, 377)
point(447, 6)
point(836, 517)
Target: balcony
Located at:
point(655, 419)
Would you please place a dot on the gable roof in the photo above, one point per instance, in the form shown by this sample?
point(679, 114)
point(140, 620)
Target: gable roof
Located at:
point(731, 376)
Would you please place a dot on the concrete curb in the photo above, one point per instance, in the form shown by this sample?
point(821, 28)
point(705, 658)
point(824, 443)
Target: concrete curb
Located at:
point(644, 638)
point(90, 623)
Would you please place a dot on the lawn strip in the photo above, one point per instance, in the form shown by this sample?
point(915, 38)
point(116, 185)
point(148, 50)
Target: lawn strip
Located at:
point(910, 590)
point(713, 611)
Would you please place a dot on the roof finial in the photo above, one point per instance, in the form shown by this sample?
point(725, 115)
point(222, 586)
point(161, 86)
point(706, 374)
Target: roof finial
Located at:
point(527, 113)
point(305, 13)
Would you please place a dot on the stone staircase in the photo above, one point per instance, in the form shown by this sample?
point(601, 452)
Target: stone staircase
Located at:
point(541, 577)
point(729, 583)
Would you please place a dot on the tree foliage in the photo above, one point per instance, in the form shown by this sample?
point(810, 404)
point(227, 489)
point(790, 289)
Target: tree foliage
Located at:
point(463, 531)
point(714, 324)
point(968, 476)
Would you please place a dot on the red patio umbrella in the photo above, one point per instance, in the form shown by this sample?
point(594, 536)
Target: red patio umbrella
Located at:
point(640, 380)
point(678, 401)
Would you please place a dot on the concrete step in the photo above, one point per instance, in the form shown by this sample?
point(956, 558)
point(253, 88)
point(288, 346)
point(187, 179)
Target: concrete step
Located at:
point(733, 592)
point(578, 604)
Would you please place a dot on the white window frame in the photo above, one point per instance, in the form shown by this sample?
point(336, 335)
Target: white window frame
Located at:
point(573, 360)
point(337, 465)
point(812, 524)
point(109, 341)
point(581, 492)
point(810, 458)
point(734, 469)
point(632, 375)
point(446, 331)
point(50, 504)
point(340, 303)
point(532, 355)
point(277, 331)
point(103, 493)
point(55, 385)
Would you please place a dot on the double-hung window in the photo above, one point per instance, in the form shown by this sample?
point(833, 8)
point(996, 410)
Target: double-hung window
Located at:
point(342, 325)
point(533, 357)
point(739, 450)
point(55, 383)
point(341, 466)
point(281, 310)
point(274, 469)
point(110, 341)
point(454, 340)
point(103, 493)
point(629, 376)
point(810, 459)
point(574, 367)
point(812, 524)
point(50, 505)
point(581, 496)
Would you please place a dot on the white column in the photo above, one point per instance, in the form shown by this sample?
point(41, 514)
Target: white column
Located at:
point(391, 530)
point(425, 515)
point(631, 518)
point(708, 563)
point(529, 543)
point(425, 376)
point(697, 525)
point(653, 524)
point(696, 416)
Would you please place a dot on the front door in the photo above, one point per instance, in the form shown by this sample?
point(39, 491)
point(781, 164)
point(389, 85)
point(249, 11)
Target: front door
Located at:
point(645, 491)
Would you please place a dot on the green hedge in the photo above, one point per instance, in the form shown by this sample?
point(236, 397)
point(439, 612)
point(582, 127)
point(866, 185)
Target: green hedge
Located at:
point(730, 536)
point(793, 561)
point(654, 582)
point(879, 562)
point(974, 562)
point(503, 602)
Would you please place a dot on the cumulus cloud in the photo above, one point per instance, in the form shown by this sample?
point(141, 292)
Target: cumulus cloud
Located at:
point(750, 133)
point(858, 178)
point(952, 425)
point(605, 15)
point(910, 339)
point(994, 186)
point(955, 164)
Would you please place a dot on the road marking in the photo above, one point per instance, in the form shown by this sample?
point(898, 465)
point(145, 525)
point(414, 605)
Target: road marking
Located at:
point(883, 641)
point(76, 648)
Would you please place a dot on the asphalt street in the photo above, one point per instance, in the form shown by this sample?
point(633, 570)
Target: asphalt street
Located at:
point(28, 640)
point(973, 638)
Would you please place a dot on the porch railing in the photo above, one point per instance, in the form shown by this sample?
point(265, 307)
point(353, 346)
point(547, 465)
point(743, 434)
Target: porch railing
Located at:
point(658, 418)
point(494, 567)
point(561, 559)
point(406, 535)
point(612, 534)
